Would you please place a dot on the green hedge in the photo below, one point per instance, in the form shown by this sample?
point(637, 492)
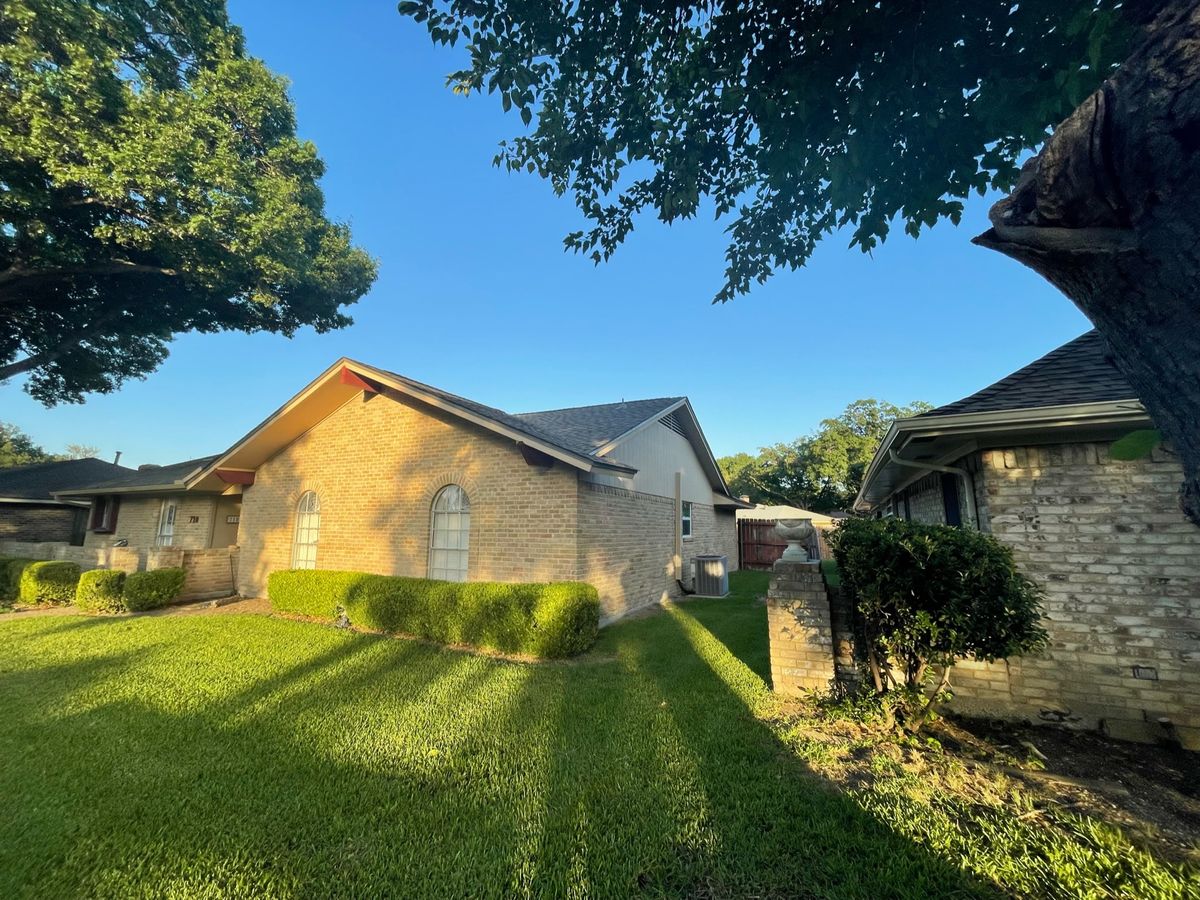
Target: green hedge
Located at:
point(11, 568)
point(100, 590)
point(49, 581)
point(542, 620)
point(311, 592)
point(150, 590)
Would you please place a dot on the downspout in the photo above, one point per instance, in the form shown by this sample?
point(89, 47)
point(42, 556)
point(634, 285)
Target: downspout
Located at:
point(967, 479)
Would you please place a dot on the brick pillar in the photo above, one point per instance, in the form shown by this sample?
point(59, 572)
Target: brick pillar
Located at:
point(798, 625)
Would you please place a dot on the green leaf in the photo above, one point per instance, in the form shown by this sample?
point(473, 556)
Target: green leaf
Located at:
point(1136, 444)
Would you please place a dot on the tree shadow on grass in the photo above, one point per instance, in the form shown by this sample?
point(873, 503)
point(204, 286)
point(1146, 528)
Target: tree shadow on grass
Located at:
point(682, 791)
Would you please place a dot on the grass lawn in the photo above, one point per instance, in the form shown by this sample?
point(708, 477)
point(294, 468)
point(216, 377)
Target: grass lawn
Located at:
point(243, 755)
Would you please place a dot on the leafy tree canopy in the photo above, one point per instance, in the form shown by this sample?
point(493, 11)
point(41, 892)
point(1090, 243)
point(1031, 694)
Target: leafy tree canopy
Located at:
point(151, 183)
point(792, 119)
point(18, 449)
point(823, 471)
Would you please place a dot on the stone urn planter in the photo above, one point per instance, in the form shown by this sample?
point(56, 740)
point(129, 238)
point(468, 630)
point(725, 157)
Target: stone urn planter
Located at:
point(795, 532)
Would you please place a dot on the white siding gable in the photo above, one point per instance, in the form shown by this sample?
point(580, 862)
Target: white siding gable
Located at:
point(658, 452)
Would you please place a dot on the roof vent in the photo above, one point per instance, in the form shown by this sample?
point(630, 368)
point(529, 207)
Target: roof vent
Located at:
point(671, 420)
point(144, 466)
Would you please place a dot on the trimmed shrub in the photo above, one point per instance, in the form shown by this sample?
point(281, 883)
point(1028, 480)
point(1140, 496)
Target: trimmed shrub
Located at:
point(311, 592)
point(150, 590)
point(11, 568)
point(930, 595)
point(100, 590)
point(48, 582)
point(542, 620)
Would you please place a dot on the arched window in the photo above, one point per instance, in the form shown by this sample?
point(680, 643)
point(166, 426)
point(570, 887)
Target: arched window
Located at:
point(449, 534)
point(308, 527)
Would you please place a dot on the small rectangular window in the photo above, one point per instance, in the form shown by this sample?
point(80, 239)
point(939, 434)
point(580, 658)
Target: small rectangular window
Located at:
point(166, 525)
point(104, 514)
point(685, 519)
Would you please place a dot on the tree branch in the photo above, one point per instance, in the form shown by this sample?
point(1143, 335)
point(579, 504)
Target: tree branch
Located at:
point(74, 339)
point(15, 277)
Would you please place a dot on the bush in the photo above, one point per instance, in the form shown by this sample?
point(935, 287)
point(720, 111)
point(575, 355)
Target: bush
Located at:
point(49, 581)
point(100, 590)
point(929, 595)
point(11, 568)
point(150, 590)
point(542, 620)
point(311, 592)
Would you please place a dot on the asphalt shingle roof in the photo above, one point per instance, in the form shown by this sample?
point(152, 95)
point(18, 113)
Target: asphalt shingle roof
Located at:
point(578, 429)
point(145, 477)
point(38, 481)
point(1079, 371)
point(587, 428)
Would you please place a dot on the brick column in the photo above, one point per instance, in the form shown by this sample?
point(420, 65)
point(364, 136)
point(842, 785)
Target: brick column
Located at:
point(799, 629)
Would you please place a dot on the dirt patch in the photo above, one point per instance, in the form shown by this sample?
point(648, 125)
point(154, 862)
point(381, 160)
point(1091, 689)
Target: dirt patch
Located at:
point(1151, 793)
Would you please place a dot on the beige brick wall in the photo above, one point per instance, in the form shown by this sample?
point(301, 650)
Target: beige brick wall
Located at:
point(627, 545)
point(1120, 566)
point(376, 465)
point(137, 521)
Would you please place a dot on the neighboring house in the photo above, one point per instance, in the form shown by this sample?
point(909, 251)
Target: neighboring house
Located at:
point(367, 470)
point(30, 512)
point(1027, 459)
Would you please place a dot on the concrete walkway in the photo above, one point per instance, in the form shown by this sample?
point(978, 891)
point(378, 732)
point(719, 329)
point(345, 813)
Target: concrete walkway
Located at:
point(223, 606)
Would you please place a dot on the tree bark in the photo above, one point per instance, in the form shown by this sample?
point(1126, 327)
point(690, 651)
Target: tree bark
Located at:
point(1109, 212)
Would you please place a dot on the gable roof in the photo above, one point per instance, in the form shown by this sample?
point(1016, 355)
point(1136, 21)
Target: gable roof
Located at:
point(588, 429)
point(38, 482)
point(1080, 371)
point(580, 436)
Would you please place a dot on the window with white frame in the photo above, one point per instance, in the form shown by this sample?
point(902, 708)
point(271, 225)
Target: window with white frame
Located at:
point(449, 534)
point(308, 529)
point(685, 519)
point(166, 525)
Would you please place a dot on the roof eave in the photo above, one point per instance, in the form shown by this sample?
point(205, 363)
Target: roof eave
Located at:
point(1062, 416)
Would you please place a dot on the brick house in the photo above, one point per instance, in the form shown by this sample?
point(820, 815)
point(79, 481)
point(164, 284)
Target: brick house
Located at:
point(1027, 460)
point(368, 470)
point(29, 511)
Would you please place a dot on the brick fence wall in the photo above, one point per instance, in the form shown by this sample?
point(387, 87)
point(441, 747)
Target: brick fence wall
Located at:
point(801, 634)
point(209, 573)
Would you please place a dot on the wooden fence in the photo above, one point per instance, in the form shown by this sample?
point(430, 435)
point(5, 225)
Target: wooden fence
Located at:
point(759, 546)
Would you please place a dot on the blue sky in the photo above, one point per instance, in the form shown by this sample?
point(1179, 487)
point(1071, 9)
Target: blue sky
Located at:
point(476, 295)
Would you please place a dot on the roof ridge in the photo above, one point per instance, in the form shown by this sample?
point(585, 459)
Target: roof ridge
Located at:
point(534, 412)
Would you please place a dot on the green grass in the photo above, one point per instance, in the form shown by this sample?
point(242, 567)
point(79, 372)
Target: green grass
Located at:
point(246, 756)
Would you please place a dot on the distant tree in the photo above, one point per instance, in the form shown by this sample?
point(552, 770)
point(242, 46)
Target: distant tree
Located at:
point(151, 183)
point(795, 120)
point(18, 449)
point(823, 471)
point(81, 451)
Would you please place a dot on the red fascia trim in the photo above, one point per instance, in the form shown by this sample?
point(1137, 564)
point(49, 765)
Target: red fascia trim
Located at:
point(355, 380)
point(232, 476)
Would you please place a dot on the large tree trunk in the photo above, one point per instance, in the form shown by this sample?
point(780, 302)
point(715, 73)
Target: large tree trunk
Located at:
point(1109, 212)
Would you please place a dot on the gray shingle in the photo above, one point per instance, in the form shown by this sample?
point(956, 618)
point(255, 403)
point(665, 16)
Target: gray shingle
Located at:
point(38, 481)
point(587, 428)
point(151, 476)
point(579, 429)
point(1079, 371)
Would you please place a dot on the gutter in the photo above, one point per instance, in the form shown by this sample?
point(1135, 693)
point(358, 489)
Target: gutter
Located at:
point(967, 479)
